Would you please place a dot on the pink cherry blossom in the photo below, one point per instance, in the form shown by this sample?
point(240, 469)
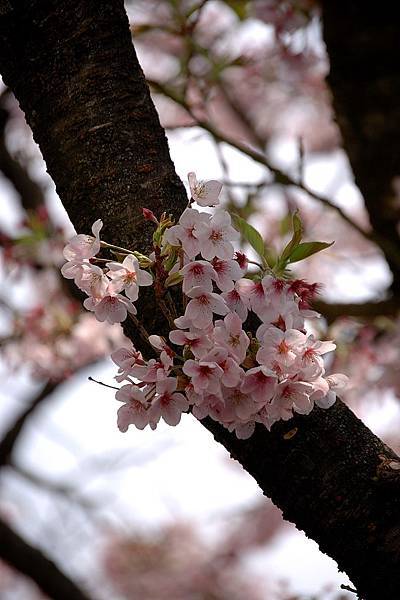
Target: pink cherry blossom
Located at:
point(125, 359)
point(244, 430)
point(84, 246)
point(215, 237)
point(168, 403)
point(205, 193)
point(213, 364)
point(281, 346)
point(292, 395)
point(324, 396)
point(92, 280)
point(241, 404)
point(73, 268)
point(309, 361)
point(198, 343)
point(260, 383)
point(275, 287)
point(283, 314)
point(232, 373)
point(212, 406)
point(229, 334)
point(202, 306)
point(128, 276)
point(135, 408)
point(242, 261)
point(166, 353)
point(226, 272)
point(238, 300)
point(256, 294)
point(205, 376)
point(198, 274)
point(111, 308)
point(153, 370)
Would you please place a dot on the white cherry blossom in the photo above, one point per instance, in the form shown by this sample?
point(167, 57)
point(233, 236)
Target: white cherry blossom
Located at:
point(111, 308)
point(281, 346)
point(229, 334)
point(128, 276)
point(203, 305)
point(215, 236)
point(91, 279)
point(185, 232)
point(84, 246)
point(205, 193)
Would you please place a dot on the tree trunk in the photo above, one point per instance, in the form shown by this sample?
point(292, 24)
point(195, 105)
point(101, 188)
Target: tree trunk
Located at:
point(74, 71)
point(362, 40)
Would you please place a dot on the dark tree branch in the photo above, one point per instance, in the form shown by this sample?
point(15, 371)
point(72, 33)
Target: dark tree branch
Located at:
point(108, 161)
point(30, 561)
point(363, 42)
point(29, 191)
point(10, 438)
point(75, 73)
point(338, 483)
point(366, 310)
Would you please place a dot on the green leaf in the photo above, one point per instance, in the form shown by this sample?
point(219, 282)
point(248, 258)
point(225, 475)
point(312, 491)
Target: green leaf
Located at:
point(307, 249)
point(285, 225)
point(296, 238)
point(173, 279)
point(240, 7)
point(250, 234)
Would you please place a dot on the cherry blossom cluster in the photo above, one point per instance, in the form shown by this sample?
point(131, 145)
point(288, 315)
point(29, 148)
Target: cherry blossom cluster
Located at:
point(104, 286)
point(46, 332)
point(240, 352)
point(55, 338)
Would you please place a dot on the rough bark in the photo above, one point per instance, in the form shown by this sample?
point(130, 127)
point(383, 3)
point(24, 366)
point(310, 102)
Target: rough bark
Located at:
point(74, 71)
point(362, 40)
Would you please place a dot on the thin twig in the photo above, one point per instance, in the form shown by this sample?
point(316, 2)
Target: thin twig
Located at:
point(348, 588)
point(387, 247)
point(112, 387)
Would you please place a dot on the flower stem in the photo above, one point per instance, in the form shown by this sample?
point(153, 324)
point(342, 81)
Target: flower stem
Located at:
point(107, 245)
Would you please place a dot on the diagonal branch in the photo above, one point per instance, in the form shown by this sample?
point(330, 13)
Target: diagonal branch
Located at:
point(10, 438)
point(365, 310)
point(387, 243)
point(75, 73)
point(280, 176)
point(31, 562)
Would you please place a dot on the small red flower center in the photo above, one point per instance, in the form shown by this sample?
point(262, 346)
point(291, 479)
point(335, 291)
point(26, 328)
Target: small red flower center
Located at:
point(216, 235)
